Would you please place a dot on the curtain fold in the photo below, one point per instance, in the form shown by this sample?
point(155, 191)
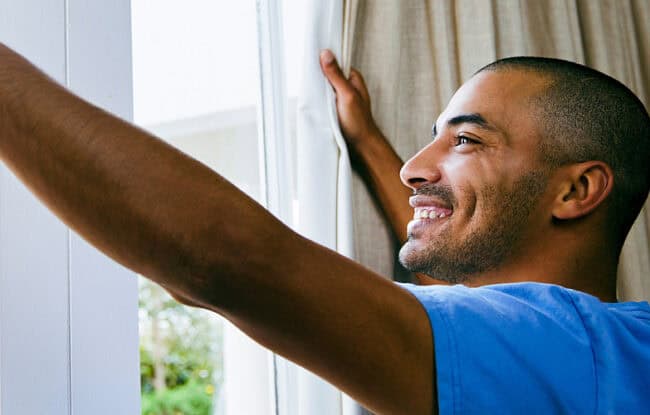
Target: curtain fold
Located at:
point(415, 54)
point(324, 174)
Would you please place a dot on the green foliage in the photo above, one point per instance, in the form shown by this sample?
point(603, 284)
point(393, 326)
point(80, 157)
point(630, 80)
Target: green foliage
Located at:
point(180, 368)
point(180, 351)
point(190, 399)
point(146, 371)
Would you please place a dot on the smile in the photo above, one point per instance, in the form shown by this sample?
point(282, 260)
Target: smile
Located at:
point(430, 213)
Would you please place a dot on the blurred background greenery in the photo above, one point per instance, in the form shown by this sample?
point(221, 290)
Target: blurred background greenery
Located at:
point(181, 364)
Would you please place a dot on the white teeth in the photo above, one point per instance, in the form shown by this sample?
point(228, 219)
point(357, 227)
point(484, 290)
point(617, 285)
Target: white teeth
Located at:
point(428, 214)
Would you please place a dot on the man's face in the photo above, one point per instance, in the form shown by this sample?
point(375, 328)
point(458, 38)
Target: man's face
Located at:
point(478, 185)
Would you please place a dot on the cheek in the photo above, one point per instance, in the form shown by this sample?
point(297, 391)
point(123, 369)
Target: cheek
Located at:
point(473, 170)
point(478, 180)
point(473, 185)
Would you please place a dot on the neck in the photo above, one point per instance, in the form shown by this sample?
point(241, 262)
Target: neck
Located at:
point(597, 279)
point(590, 269)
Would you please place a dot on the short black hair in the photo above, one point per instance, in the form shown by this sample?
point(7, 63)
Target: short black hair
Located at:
point(588, 115)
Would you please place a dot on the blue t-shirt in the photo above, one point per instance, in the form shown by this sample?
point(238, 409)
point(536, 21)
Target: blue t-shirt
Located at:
point(531, 348)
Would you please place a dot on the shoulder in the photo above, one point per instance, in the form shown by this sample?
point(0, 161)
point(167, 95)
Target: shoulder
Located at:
point(498, 301)
point(527, 298)
point(541, 341)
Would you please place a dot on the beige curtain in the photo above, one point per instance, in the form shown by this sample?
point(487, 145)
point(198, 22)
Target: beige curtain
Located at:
point(415, 53)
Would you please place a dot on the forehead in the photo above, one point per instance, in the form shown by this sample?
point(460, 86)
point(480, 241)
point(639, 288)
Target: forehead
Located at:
point(504, 99)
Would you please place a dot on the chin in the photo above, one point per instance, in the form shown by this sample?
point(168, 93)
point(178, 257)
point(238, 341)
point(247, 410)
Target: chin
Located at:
point(412, 258)
point(421, 258)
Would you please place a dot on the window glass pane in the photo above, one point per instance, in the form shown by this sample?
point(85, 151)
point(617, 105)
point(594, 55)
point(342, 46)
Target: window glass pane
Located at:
point(293, 31)
point(195, 73)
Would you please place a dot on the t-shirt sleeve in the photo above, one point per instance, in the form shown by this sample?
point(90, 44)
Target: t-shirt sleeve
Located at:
point(516, 349)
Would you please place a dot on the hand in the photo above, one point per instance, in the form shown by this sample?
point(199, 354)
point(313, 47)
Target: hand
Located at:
point(352, 102)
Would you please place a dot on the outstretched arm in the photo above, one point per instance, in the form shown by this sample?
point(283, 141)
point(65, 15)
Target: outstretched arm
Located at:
point(372, 155)
point(128, 193)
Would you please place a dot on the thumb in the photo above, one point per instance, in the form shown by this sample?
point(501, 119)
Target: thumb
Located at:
point(333, 72)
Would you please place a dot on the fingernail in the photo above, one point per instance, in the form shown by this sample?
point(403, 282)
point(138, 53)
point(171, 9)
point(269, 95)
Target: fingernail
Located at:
point(327, 56)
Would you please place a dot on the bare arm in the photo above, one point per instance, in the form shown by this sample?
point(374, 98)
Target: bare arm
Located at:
point(129, 194)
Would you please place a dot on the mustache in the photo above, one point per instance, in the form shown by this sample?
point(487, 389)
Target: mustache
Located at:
point(441, 192)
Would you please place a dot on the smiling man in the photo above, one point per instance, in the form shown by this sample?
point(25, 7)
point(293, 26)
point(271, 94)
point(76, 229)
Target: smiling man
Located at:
point(528, 147)
point(535, 173)
point(485, 145)
point(510, 177)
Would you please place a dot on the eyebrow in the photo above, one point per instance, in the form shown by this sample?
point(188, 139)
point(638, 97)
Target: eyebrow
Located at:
point(473, 118)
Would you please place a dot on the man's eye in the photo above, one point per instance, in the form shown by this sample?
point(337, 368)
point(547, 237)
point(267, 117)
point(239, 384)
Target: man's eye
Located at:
point(461, 139)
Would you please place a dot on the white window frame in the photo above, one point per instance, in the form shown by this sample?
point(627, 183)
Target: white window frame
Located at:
point(68, 320)
point(297, 391)
point(276, 158)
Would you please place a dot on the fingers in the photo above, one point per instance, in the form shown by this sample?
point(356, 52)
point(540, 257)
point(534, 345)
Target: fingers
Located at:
point(333, 72)
point(359, 84)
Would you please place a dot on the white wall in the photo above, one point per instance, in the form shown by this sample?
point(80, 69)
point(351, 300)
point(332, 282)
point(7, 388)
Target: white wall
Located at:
point(68, 315)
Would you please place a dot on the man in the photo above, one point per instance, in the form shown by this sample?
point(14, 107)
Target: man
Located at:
point(536, 171)
point(126, 192)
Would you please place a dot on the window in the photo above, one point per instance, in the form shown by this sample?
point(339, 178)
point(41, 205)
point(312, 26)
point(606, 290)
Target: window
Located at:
point(196, 85)
point(199, 90)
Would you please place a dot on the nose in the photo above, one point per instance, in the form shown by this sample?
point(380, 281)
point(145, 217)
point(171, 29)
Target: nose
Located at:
point(422, 168)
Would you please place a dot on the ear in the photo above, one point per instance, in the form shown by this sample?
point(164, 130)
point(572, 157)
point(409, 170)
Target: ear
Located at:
point(585, 187)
